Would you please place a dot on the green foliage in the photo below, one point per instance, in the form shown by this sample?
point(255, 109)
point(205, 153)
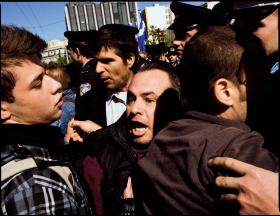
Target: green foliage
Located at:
point(158, 35)
point(60, 61)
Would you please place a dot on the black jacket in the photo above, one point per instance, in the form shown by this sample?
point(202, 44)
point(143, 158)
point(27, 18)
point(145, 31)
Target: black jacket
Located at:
point(111, 147)
point(92, 106)
point(88, 80)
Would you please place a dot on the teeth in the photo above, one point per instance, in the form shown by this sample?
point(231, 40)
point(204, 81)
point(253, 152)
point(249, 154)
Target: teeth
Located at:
point(140, 129)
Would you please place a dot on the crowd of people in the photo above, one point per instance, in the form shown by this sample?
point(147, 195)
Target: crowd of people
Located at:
point(116, 133)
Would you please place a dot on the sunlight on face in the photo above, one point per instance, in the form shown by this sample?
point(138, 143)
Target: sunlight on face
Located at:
point(38, 99)
point(113, 71)
point(144, 91)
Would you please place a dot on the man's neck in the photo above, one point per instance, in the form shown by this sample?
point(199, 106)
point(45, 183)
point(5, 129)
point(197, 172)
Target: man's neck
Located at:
point(85, 60)
point(125, 88)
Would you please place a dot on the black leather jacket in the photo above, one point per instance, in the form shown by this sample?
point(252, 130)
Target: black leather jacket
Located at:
point(111, 147)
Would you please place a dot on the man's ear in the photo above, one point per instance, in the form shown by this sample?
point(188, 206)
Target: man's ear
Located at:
point(77, 51)
point(5, 113)
point(223, 91)
point(130, 61)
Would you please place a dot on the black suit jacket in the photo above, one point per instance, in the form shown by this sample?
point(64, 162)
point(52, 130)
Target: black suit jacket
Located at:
point(92, 106)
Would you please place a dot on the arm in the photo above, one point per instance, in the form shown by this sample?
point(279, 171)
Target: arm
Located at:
point(258, 188)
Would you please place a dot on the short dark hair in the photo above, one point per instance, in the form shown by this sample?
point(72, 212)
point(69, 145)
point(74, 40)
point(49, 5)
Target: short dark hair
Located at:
point(84, 48)
point(168, 69)
point(17, 45)
point(212, 53)
point(120, 38)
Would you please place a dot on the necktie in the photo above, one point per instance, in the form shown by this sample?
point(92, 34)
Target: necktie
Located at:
point(117, 100)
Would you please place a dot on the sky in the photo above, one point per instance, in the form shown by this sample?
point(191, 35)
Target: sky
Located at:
point(45, 19)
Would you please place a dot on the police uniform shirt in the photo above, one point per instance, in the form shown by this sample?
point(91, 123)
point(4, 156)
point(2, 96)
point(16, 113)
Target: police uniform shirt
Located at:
point(88, 77)
point(115, 106)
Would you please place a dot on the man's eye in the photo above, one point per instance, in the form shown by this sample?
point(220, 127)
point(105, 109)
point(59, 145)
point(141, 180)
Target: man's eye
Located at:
point(130, 100)
point(150, 100)
point(105, 61)
point(37, 85)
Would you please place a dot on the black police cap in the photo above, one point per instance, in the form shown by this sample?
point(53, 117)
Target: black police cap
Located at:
point(81, 36)
point(253, 10)
point(189, 16)
point(120, 28)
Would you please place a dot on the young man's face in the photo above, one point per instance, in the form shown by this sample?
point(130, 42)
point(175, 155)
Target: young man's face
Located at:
point(267, 32)
point(113, 71)
point(181, 39)
point(144, 90)
point(38, 99)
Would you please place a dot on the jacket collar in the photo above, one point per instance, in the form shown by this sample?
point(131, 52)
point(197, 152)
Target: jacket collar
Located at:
point(221, 121)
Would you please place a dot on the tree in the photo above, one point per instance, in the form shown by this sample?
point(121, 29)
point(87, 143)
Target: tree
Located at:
point(61, 61)
point(157, 35)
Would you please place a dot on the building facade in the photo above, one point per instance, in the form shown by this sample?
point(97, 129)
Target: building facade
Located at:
point(84, 16)
point(159, 16)
point(54, 51)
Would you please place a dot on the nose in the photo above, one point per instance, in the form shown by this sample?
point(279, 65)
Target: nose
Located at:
point(176, 42)
point(135, 108)
point(99, 67)
point(55, 86)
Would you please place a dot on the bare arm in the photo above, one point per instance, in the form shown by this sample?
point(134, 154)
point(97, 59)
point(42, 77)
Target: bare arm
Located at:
point(258, 188)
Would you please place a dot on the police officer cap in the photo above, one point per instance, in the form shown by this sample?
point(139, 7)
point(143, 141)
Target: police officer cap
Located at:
point(124, 30)
point(253, 10)
point(189, 16)
point(81, 36)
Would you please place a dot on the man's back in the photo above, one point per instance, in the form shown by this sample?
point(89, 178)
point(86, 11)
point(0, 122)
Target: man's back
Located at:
point(178, 157)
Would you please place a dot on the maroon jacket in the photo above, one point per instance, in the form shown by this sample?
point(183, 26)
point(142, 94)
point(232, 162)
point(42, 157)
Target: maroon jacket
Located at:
point(174, 177)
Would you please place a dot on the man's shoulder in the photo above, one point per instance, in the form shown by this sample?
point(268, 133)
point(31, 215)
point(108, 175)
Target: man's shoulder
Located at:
point(33, 179)
point(195, 131)
point(37, 191)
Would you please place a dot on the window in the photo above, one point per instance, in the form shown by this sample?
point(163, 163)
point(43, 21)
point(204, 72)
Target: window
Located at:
point(99, 15)
point(82, 17)
point(73, 21)
point(107, 13)
point(90, 17)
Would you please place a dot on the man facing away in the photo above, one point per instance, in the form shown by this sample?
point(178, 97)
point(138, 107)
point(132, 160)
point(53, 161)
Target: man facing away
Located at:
point(79, 48)
point(33, 178)
point(175, 178)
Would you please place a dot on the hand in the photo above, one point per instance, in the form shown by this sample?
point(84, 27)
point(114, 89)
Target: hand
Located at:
point(69, 132)
point(258, 188)
point(86, 126)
